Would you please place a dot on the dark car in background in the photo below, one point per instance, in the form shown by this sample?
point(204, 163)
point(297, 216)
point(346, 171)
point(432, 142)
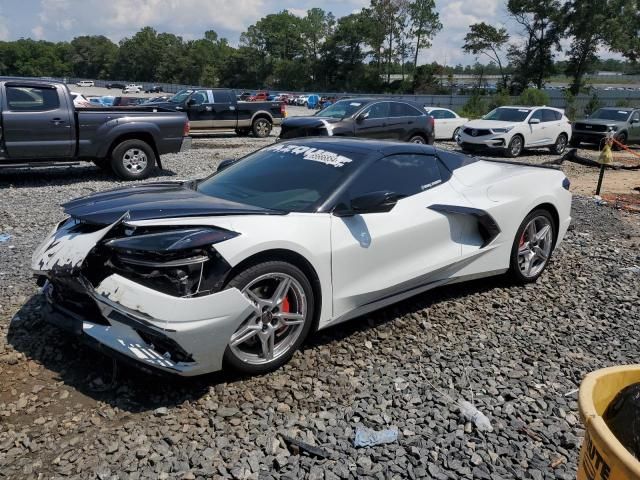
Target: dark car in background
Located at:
point(116, 85)
point(365, 117)
point(128, 101)
point(154, 89)
point(624, 123)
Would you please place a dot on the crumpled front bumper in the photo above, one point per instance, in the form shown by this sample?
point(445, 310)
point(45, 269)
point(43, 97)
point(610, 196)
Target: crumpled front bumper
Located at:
point(135, 316)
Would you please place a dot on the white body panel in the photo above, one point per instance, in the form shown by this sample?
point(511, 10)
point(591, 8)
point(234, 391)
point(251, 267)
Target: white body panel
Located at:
point(445, 127)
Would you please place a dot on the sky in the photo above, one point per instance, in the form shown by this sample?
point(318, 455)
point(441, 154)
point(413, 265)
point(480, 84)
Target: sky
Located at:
point(57, 20)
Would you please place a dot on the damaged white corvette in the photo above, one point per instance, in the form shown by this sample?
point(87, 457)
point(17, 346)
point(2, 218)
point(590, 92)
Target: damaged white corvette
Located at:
point(236, 270)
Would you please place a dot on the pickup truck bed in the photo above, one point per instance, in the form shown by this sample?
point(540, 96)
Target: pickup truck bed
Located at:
point(38, 123)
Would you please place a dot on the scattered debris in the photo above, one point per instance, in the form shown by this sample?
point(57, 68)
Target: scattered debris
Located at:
point(557, 462)
point(572, 392)
point(472, 414)
point(634, 269)
point(4, 237)
point(366, 437)
point(297, 447)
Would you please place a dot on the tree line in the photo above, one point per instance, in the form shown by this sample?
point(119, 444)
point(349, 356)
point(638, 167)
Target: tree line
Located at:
point(356, 52)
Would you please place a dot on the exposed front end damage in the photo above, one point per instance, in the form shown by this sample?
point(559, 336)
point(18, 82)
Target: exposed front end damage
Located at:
point(149, 295)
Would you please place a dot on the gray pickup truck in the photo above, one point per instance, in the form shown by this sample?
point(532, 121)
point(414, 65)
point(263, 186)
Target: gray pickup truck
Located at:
point(39, 126)
point(624, 123)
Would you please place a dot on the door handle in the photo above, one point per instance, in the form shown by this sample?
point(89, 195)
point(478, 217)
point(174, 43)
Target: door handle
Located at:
point(57, 121)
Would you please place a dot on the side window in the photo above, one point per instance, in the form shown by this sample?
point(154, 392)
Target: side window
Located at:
point(550, 115)
point(436, 114)
point(405, 174)
point(447, 114)
point(398, 109)
point(378, 110)
point(32, 99)
point(199, 97)
point(537, 114)
point(635, 117)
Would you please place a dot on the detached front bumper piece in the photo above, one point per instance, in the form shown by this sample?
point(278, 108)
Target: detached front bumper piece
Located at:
point(184, 336)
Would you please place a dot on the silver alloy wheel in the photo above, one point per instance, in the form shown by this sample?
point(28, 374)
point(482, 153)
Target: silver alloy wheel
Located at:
point(135, 160)
point(262, 126)
point(280, 310)
point(418, 139)
point(561, 144)
point(515, 147)
point(535, 246)
point(456, 135)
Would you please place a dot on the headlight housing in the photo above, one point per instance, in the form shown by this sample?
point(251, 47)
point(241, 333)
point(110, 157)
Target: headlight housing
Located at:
point(181, 262)
point(502, 129)
point(613, 128)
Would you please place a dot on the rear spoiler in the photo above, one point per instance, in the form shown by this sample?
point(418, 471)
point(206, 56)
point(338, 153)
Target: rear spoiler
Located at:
point(521, 164)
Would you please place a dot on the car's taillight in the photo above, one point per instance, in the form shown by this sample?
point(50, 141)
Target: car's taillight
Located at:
point(187, 129)
point(283, 109)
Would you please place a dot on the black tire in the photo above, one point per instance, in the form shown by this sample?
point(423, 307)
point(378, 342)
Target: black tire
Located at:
point(575, 142)
point(244, 278)
point(456, 134)
point(243, 132)
point(514, 267)
point(129, 168)
point(418, 139)
point(560, 146)
point(621, 138)
point(261, 127)
point(512, 150)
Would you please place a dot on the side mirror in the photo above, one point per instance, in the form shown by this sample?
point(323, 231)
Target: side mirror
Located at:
point(226, 164)
point(534, 121)
point(375, 202)
point(361, 118)
point(191, 102)
point(635, 120)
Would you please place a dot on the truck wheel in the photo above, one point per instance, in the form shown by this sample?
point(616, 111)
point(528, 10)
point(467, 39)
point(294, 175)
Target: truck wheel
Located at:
point(133, 160)
point(242, 132)
point(261, 127)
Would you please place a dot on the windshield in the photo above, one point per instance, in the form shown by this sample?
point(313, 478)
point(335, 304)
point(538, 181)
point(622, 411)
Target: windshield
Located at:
point(181, 96)
point(608, 114)
point(508, 114)
point(285, 177)
point(341, 109)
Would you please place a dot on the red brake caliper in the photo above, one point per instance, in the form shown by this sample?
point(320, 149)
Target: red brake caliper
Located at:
point(521, 240)
point(285, 305)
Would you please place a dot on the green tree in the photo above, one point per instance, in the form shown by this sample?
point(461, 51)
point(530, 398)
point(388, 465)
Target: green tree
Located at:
point(625, 37)
point(139, 56)
point(487, 40)
point(92, 56)
point(425, 24)
point(532, 61)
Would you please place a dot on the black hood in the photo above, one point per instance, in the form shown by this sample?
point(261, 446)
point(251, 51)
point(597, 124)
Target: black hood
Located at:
point(155, 201)
point(304, 122)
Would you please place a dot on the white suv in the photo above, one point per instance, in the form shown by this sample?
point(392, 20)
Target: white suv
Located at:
point(85, 83)
point(132, 88)
point(512, 129)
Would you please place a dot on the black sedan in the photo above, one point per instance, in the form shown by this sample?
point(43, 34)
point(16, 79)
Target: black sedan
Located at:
point(365, 117)
point(115, 85)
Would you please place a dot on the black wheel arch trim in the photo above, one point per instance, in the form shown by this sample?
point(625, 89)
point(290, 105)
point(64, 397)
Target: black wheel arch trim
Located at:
point(487, 225)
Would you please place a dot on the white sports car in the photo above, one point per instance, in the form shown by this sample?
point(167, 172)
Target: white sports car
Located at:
point(237, 269)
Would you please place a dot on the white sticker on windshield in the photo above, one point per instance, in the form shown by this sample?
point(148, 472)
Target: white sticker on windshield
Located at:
point(354, 104)
point(623, 112)
point(313, 154)
point(523, 110)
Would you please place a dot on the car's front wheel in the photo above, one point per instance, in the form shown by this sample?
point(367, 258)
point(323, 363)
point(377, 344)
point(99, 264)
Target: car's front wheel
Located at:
point(456, 134)
point(561, 144)
point(515, 147)
point(283, 312)
point(417, 139)
point(533, 246)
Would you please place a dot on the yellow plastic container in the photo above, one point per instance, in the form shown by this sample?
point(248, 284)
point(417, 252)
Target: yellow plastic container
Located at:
point(602, 456)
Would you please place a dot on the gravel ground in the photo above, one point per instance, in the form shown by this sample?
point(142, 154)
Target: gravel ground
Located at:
point(518, 353)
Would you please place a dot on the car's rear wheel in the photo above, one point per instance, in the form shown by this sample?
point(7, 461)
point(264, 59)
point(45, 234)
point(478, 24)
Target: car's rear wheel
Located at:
point(283, 312)
point(456, 134)
point(561, 144)
point(261, 127)
point(417, 139)
point(515, 147)
point(133, 160)
point(533, 246)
